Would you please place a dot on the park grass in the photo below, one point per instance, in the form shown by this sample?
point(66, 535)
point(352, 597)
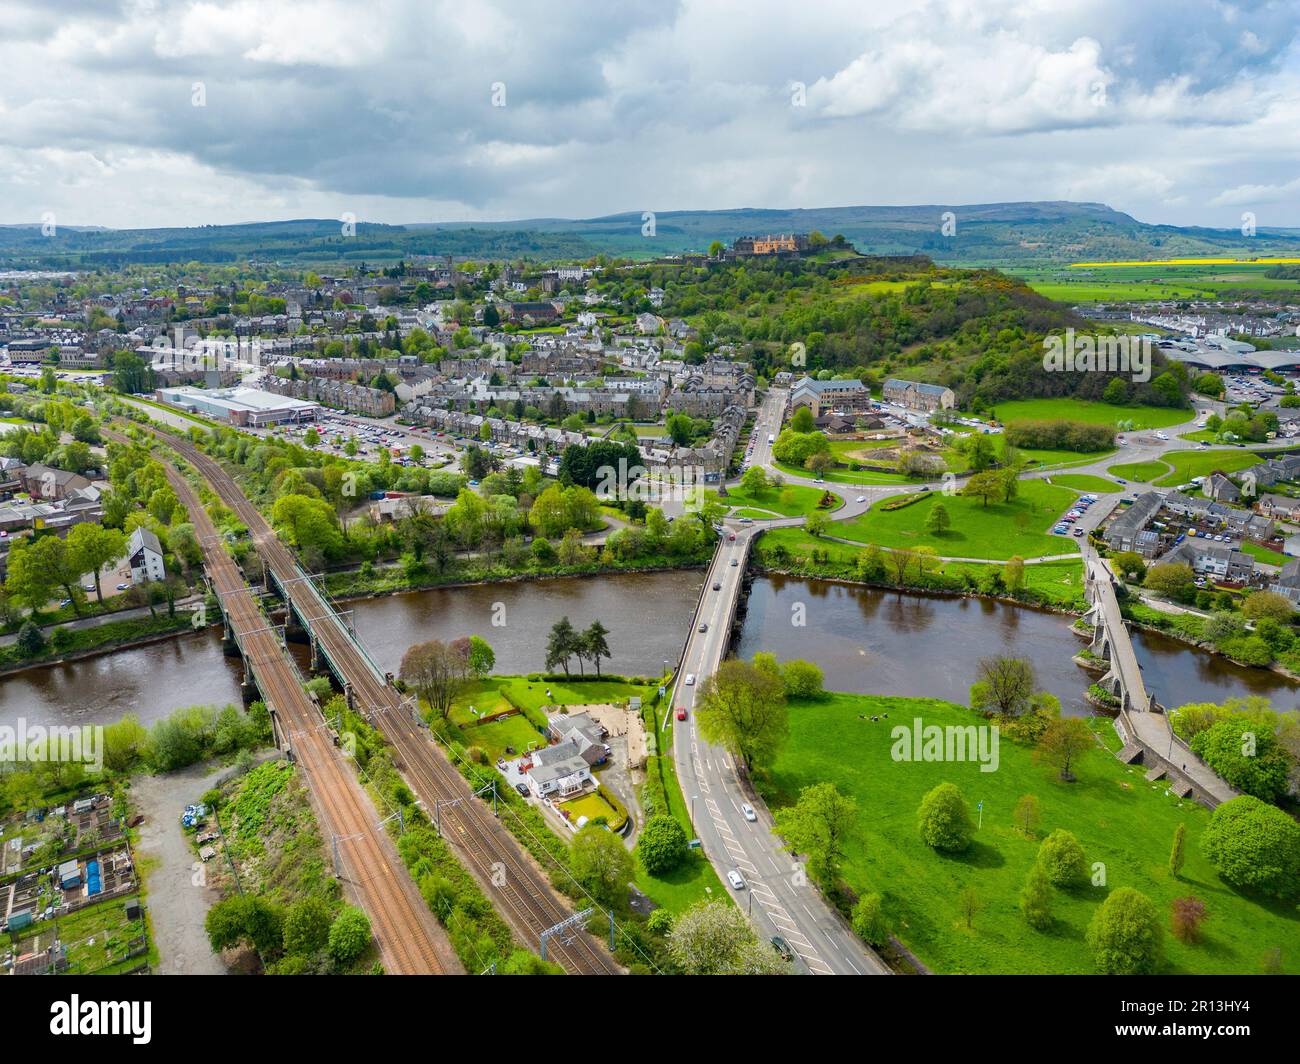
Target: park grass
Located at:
point(996, 531)
point(1122, 821)
point(1083, 482)
point(694, 880)
point(1139, 471)
point(1189, 464)
point(846, 476)
point(756, 515)
point(792, 500)
point(1142, 417)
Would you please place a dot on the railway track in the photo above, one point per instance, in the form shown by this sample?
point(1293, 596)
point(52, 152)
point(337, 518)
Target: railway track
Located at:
point(409, 939)
point(518, 888)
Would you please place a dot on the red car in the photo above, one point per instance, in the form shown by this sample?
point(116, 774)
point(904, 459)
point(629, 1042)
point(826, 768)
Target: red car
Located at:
point(681, 713)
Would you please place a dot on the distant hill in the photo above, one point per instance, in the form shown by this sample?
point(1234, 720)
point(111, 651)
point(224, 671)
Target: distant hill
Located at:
point(986, 234)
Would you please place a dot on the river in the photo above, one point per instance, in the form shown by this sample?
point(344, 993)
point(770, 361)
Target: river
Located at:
point(865, 640)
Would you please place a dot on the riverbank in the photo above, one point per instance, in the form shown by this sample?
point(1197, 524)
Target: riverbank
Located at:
point(93, 642)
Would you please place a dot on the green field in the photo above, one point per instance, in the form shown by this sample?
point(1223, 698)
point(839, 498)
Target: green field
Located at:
point(1188, 464)
point(498, 693)
point(1083, 482)
point(1139, 471)
point(792, 500)
point(1142, 417)
point(1122, 821)
point(997, 531)
point(1139, 281)
point(846, 476)
point(494, 737)
point(1061, 581)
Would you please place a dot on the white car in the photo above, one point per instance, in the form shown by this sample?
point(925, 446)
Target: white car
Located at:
point(736, 880)
point(748, 812)
point(862, 498)
point(690, 679)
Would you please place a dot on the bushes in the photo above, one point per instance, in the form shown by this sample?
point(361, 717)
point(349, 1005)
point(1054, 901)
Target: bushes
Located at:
point(1060, 436)
point(1246, 756)
point(349, 935)
point(1254, 846)
point(869, 921)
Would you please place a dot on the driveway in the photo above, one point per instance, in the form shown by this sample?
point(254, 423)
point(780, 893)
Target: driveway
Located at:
point(177, 905)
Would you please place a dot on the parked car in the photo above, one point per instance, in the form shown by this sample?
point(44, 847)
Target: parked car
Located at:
point(736, 880)
point(522, 788)
point(123, 587)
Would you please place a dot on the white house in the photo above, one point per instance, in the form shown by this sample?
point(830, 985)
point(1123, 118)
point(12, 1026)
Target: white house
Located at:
point(559, 769)
point(145, 555)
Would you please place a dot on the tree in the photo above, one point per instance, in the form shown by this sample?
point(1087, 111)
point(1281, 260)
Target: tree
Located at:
point(802, 420)
point(1125, 934)
point(245, 918)
point(1130, 565)
point(1186, 915)
point(1005, 685)
point(970, 905)
point(438, 671)
point(306, 926)
point(602, 864)
point(1254, 846)
point(944, 820)
point(1013, 573)
point(561, 645)
point(31, 640)
point(1036, 899)
point(715, 938)
point(743, 709)
point(820, 824)
point(662, 845)
point(31, 578)
point(482, 658)
point(1026, 816)
point(984, 486)
point(869, 922)
point(92, 547)
point(815, 524)
point(349, 935)
point(1169, 578)
point(1064, 744)
point(754, 481)
point(595, 645)
point(1061, 858)
point(1267, 604)
point(937, 521)
point(1176, 851)
point(1247, 755)
point(802, 679)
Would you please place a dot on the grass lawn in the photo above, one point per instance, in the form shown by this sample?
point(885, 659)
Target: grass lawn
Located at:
point(792, 500)
point(1140, 471)
point(1084, 482)
point(694, 880)
point(1122, 821)
point(846, 476)
point(1263, 554)
point(496, 735)
point(1142, 417)
point(501, 692)
point(590, 805)
point(757, 515)
point(998, 530)
point(1188, 464)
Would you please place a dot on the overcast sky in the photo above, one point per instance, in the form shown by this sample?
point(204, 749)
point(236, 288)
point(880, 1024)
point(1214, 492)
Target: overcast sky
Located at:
point(174, 112)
